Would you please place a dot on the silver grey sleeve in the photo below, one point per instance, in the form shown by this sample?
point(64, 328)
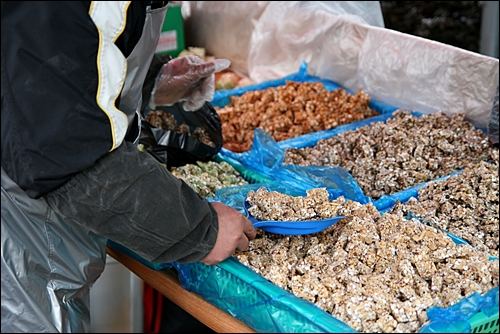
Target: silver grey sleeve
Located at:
point(130, 198)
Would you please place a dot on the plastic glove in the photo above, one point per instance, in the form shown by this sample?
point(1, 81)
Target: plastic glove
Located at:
point(187, 79)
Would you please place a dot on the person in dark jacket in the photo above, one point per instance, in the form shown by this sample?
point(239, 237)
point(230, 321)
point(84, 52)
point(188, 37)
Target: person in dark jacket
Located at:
point(72, 176)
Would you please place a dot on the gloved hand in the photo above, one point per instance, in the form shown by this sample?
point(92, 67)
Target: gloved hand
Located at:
point(187, 79)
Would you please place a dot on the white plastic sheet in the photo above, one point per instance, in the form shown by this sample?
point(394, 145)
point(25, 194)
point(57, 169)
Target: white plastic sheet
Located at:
point(399, 69)
point(427, 76)
point(346, 42)
point(288, 33)
point(225, 28)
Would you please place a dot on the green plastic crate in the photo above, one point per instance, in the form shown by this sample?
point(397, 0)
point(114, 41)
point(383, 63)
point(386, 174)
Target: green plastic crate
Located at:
point(480, 323)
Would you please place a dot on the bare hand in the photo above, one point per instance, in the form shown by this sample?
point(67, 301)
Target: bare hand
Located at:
point(235, 232)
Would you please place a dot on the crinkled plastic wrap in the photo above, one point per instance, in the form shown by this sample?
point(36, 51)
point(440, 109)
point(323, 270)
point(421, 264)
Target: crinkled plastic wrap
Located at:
point(454, 319)
point(396, 68)
point(226, 28)
point(311, 31)
point(257, 302)
point(266, 157)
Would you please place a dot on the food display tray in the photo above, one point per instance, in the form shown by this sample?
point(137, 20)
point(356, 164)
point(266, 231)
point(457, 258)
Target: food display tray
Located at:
point(265, 307)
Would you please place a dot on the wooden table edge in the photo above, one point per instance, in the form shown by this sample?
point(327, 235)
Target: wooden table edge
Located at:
point(167, 283)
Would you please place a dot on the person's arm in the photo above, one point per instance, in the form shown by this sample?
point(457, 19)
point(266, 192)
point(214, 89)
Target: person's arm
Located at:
point(130, 198)
point(145, 208)
point(62, 134)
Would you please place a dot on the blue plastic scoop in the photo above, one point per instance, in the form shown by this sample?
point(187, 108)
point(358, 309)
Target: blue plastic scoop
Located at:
point(291, 227)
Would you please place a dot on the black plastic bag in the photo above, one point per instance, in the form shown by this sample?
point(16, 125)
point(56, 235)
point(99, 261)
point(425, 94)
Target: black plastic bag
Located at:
point(175, 149)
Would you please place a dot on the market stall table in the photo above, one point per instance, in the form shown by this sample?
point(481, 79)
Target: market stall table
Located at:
point(167, 283)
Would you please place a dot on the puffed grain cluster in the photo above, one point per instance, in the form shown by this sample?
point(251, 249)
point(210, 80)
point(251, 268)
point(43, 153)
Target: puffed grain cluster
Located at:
point(466, 205)
point(208, 177)
point(166, 121)
point(375, 273)
point(387, 157)
point(273, 205)
point(288, 111)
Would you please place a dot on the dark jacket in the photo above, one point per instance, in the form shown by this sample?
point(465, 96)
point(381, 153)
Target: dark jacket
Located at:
point(65, 138)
